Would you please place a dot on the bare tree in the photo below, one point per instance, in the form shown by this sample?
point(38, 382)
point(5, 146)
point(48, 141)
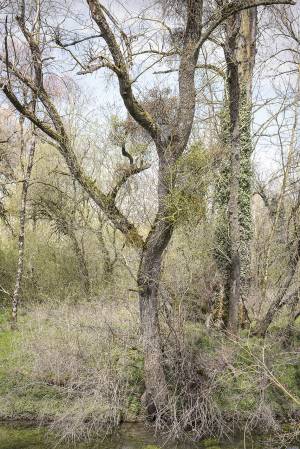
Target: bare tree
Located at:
point(283, 206)
point(284, 295)
point(62, 217)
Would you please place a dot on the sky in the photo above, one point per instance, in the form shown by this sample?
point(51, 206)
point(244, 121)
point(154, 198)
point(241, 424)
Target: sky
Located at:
point(102, 92)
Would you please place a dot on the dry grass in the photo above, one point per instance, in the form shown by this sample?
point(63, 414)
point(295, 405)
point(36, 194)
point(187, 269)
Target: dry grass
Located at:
point(88, 351)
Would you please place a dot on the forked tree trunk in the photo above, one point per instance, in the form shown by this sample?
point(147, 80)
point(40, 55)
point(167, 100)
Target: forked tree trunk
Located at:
point(148, 282)
point(22, 221)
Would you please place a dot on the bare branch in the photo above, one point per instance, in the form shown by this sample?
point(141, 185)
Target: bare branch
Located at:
point(75, 42)
point(233, 7)
point(127, 173)
point(211, 67)
point(133, 106)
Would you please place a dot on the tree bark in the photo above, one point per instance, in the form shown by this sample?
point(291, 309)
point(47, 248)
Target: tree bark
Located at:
point(22, 221)
point(233, 87)
point(108, 263)
point(148, 283)
point(246, 53)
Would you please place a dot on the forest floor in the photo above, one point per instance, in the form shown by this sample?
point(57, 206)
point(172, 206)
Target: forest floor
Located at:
point(80, 368)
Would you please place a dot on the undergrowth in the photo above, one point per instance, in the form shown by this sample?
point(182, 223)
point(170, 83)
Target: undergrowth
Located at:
point(79, 368)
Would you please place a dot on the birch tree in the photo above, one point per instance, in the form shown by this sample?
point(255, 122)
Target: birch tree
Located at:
point(27, 170)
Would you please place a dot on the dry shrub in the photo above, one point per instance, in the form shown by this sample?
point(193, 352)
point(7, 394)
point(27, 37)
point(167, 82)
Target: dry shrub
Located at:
point(219, 385)
point(96, 407)
point(89, 352)
point(194, 410)
point(193, 366)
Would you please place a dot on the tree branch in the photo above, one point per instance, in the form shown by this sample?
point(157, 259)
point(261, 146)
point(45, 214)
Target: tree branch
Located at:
point(128, 172)
point(26, 112)
point(105, 202)
point(133, 106)
point(210, 67)
point(59, 134)
point(75, 42)
point(186, 76)
point(235, 6)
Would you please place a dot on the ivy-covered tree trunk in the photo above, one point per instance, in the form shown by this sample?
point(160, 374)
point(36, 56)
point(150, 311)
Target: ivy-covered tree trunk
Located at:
point(246, 58)
point(234, 190)
point(233, 88)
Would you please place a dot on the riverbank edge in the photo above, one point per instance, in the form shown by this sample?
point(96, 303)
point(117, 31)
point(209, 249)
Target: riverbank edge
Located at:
point(26, 421)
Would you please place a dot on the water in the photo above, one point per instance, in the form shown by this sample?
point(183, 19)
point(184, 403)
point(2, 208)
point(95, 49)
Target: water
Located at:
point(130, 437)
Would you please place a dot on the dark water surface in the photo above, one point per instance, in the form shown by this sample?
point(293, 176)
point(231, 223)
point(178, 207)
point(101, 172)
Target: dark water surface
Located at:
point(130, 437)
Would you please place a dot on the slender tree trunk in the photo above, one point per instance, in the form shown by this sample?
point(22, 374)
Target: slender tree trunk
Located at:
point(280, 299)
point(292, 301)
point(22, 221)
point(246, 53)
point(108, 264)
point(82, 264)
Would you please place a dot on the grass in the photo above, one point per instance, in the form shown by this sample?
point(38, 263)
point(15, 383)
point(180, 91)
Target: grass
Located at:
point(13, 438)
point(9, 375)
point(20, 397)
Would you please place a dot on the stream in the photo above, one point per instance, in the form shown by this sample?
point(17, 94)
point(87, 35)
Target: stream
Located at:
point(130, 437)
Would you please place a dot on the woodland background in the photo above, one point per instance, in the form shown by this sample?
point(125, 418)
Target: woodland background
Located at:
point(150, 226)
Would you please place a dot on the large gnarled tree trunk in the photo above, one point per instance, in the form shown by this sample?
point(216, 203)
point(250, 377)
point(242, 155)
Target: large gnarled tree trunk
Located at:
point(148, 282)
